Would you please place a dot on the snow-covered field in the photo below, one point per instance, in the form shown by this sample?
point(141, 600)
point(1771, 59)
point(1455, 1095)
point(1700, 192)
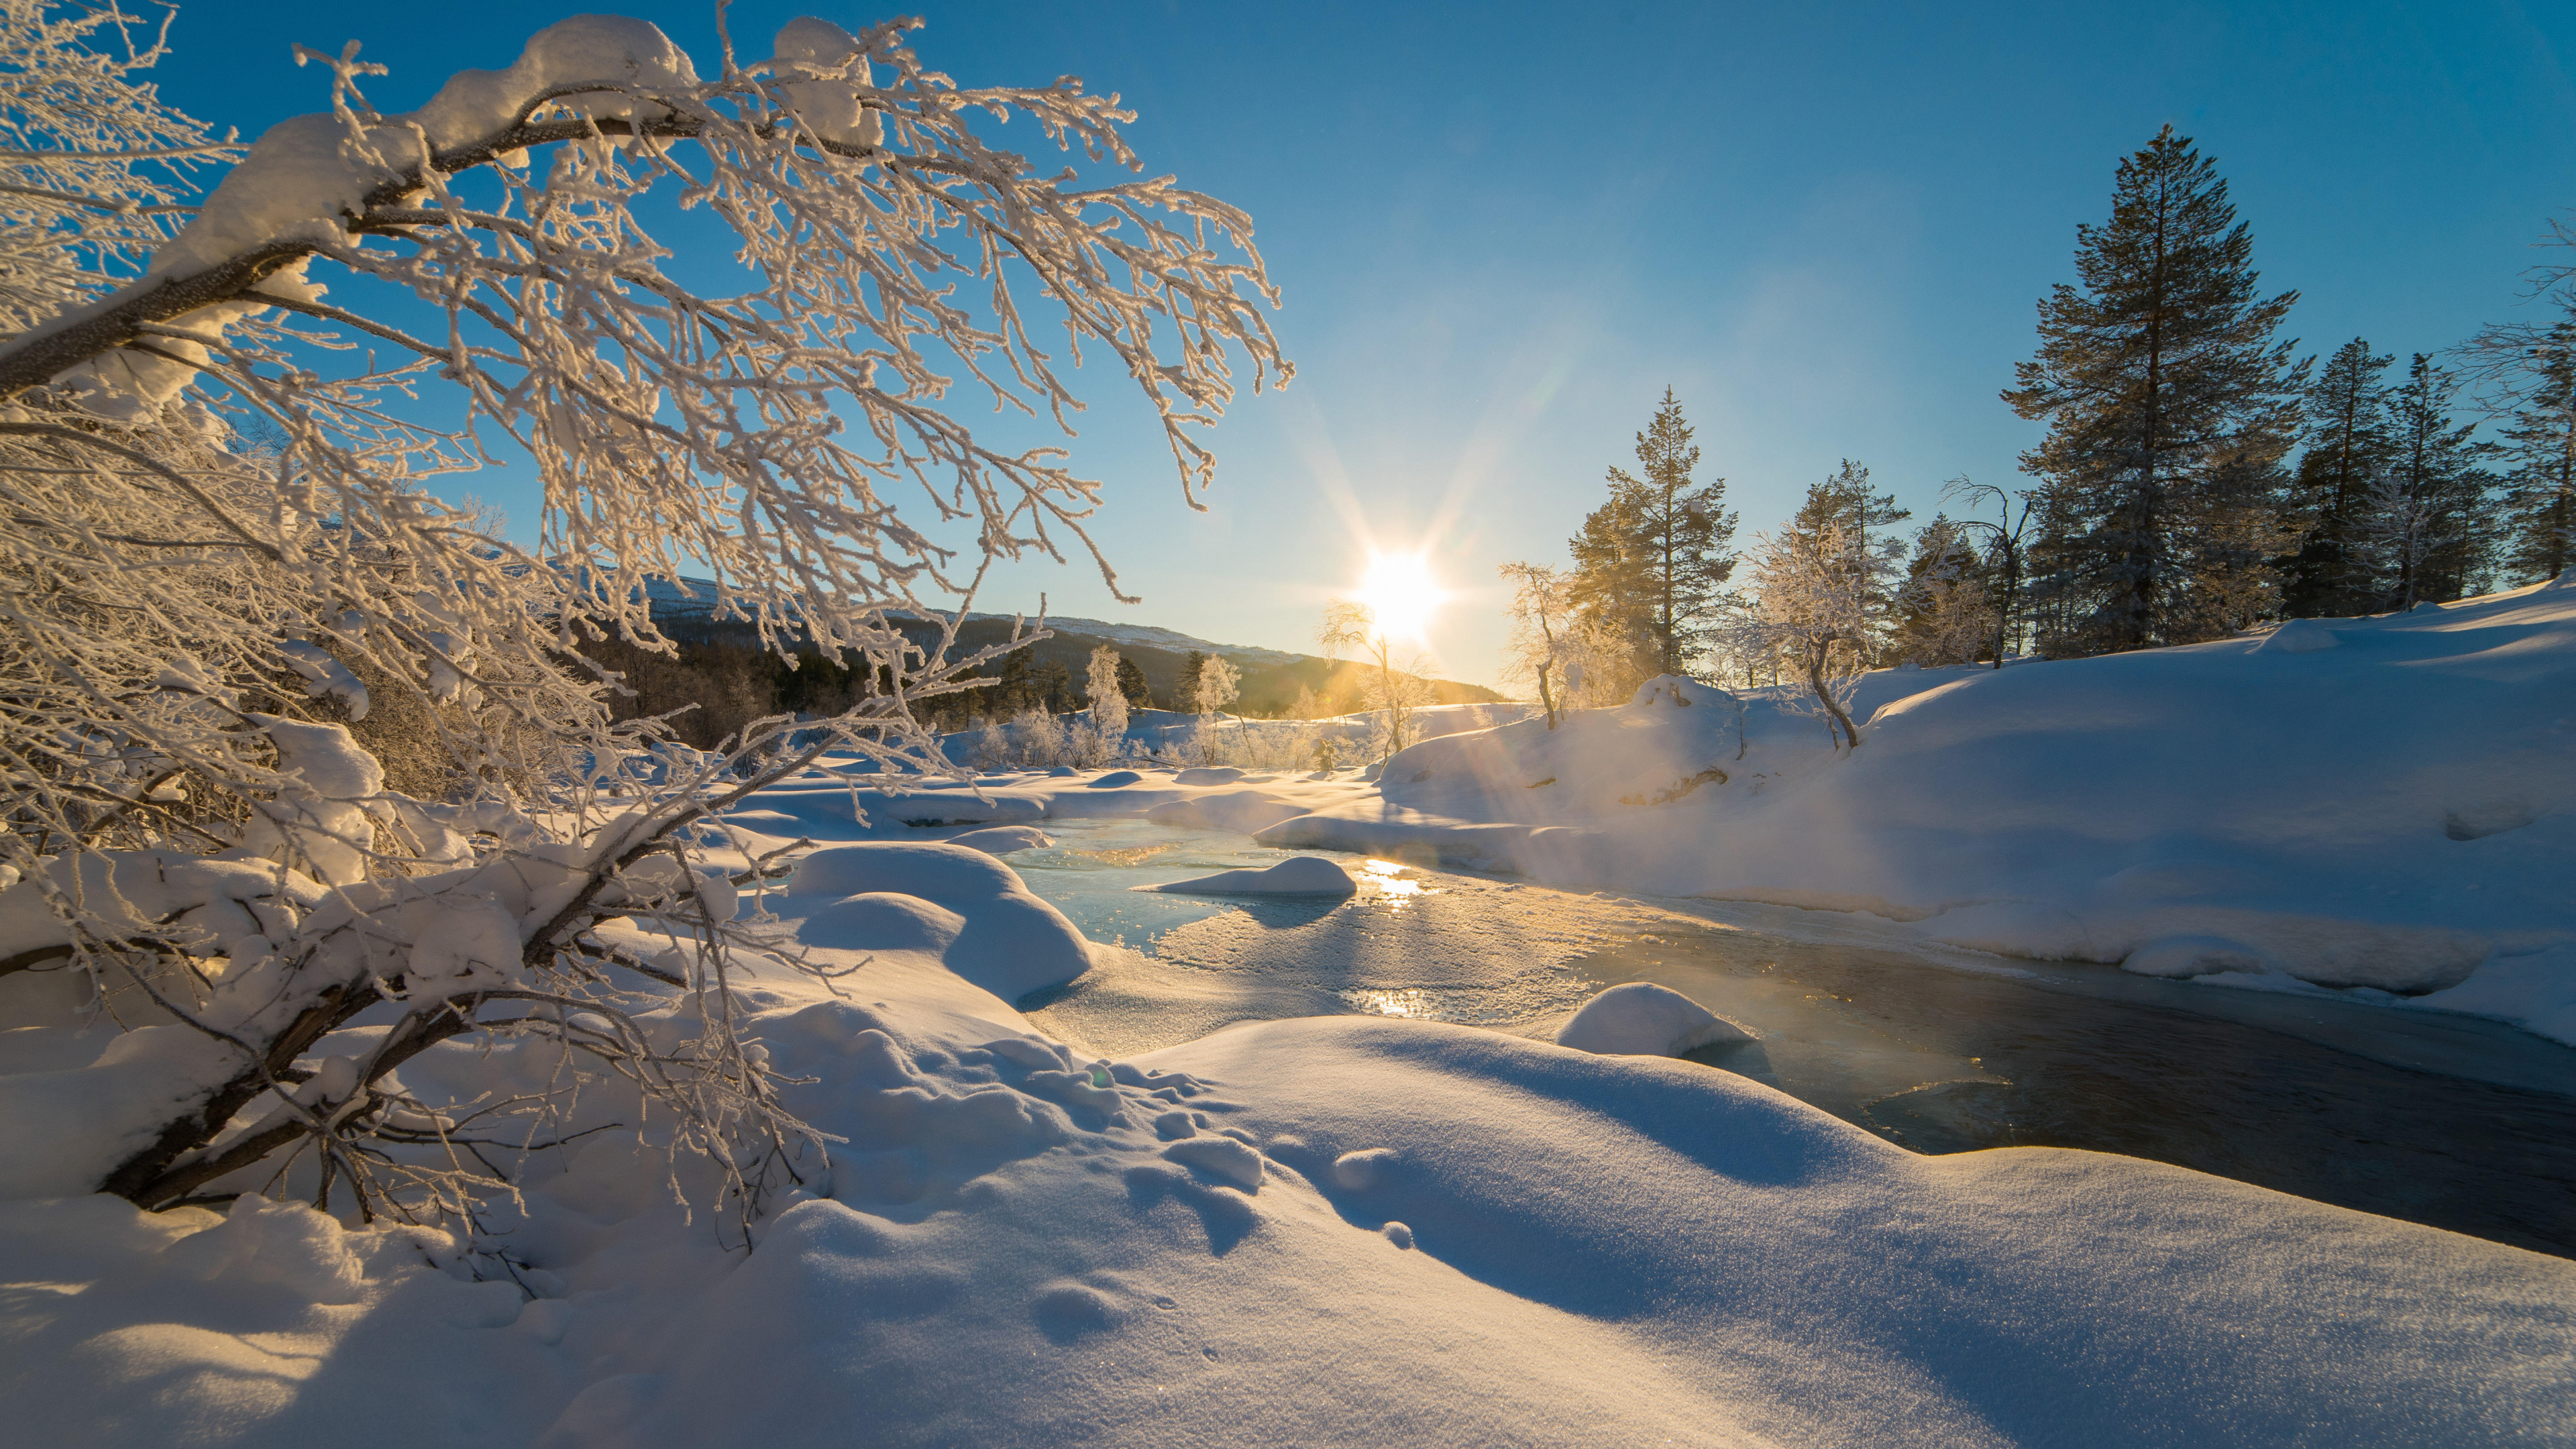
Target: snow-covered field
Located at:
point(1346, 1229)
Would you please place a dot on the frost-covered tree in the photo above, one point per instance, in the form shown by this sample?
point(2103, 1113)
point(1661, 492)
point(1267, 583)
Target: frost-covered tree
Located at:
point(1393, 675)
point(1943, 615)
point(2168, 406)
point(1217, 685)
point(1567, 654)
point(224, 566)
point(1108, 701)
point(1824, 596)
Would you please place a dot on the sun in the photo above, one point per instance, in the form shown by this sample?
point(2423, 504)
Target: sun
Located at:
point(1401, 594)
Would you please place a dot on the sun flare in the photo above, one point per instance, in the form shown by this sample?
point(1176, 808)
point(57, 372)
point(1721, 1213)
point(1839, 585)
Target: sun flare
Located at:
point(1401, 593)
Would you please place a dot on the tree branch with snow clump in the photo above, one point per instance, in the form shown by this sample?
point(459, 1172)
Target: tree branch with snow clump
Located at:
point(229, 607)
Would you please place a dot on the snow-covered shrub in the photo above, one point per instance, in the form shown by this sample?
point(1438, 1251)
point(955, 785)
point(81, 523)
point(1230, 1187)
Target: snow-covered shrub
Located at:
point(222, 561)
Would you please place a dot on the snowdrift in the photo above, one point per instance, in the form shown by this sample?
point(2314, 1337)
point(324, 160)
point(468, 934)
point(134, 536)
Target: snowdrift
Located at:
point(1324, 1231)
point(2384, 803)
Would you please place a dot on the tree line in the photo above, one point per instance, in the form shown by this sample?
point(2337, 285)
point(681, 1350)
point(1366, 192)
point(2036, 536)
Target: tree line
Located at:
point(2196, 477)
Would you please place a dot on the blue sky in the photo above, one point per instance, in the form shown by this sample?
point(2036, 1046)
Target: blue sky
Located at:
point(1502, 230)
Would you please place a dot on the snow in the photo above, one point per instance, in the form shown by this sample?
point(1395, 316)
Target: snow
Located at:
point(1204, 1227)
point(1248, 811)
point(2395, 812)
point(306, 174)
point(1302, 875)
point(1639, 1018)
point(1371, 1231)
point(947, 901)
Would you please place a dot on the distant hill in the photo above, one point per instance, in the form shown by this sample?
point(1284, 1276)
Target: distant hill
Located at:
point(1271, 677)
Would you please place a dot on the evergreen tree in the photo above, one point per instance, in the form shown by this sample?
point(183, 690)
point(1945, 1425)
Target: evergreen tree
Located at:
point(2436, 521)
point(1943, 612)
point(2541, 436)
point(1185, 691)
point(1051, 688)
point(2168, 412)
point(1653, 560)
point(2349, 449)
point(1131, 683)
point(1013, 691)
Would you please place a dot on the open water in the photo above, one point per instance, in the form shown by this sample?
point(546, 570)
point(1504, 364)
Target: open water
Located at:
point(2453, 1121)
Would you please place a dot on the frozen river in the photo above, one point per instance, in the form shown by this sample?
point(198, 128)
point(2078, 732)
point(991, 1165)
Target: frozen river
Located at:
point(2449, 1120)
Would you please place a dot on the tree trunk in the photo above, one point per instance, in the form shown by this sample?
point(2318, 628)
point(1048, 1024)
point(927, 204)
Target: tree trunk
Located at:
point(1825, 695)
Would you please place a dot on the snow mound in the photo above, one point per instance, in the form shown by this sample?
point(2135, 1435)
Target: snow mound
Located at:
point(1642, 1019)
point(1246, 811)
point(946, 900)
point(1208, 775)
point(2298, 636)
point(1304, 875)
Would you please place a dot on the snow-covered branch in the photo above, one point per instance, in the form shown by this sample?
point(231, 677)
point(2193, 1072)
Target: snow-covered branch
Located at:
point(290, 740)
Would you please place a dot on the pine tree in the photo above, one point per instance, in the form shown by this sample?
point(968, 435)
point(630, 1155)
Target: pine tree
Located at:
point(1653, 560)
point(2435, 522)
point(2541, 435)
point(1051, 688)
point(2349, 449)
point(1131, 683)
point(1185, 691)
point(1944, 614)
point(2168, 412)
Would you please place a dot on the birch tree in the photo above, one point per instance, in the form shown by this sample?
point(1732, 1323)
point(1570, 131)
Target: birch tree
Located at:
point(225, 558)
point(1393, 675)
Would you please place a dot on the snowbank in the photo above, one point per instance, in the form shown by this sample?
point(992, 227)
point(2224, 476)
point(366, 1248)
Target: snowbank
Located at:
point(2397, 811)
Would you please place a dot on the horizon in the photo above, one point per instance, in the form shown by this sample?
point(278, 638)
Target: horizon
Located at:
point(1827, 231)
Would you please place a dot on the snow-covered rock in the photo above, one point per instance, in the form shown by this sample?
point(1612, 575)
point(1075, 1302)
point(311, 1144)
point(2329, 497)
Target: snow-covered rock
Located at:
point(1639, 1018)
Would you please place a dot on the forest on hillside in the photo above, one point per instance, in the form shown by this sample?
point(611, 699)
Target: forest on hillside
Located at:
point(721, 679)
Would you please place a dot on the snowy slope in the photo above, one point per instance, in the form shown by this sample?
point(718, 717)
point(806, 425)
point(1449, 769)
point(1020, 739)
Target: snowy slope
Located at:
point(1328, 1231)
point(2380, 803)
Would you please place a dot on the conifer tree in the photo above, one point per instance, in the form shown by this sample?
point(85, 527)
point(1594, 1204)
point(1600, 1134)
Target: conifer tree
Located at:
point(1185, 690)
point(1653, 561)
point(2541, 435)
point(2436, 519)
point(2168, 405)
point(1131, 683)
point(2350, 446)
